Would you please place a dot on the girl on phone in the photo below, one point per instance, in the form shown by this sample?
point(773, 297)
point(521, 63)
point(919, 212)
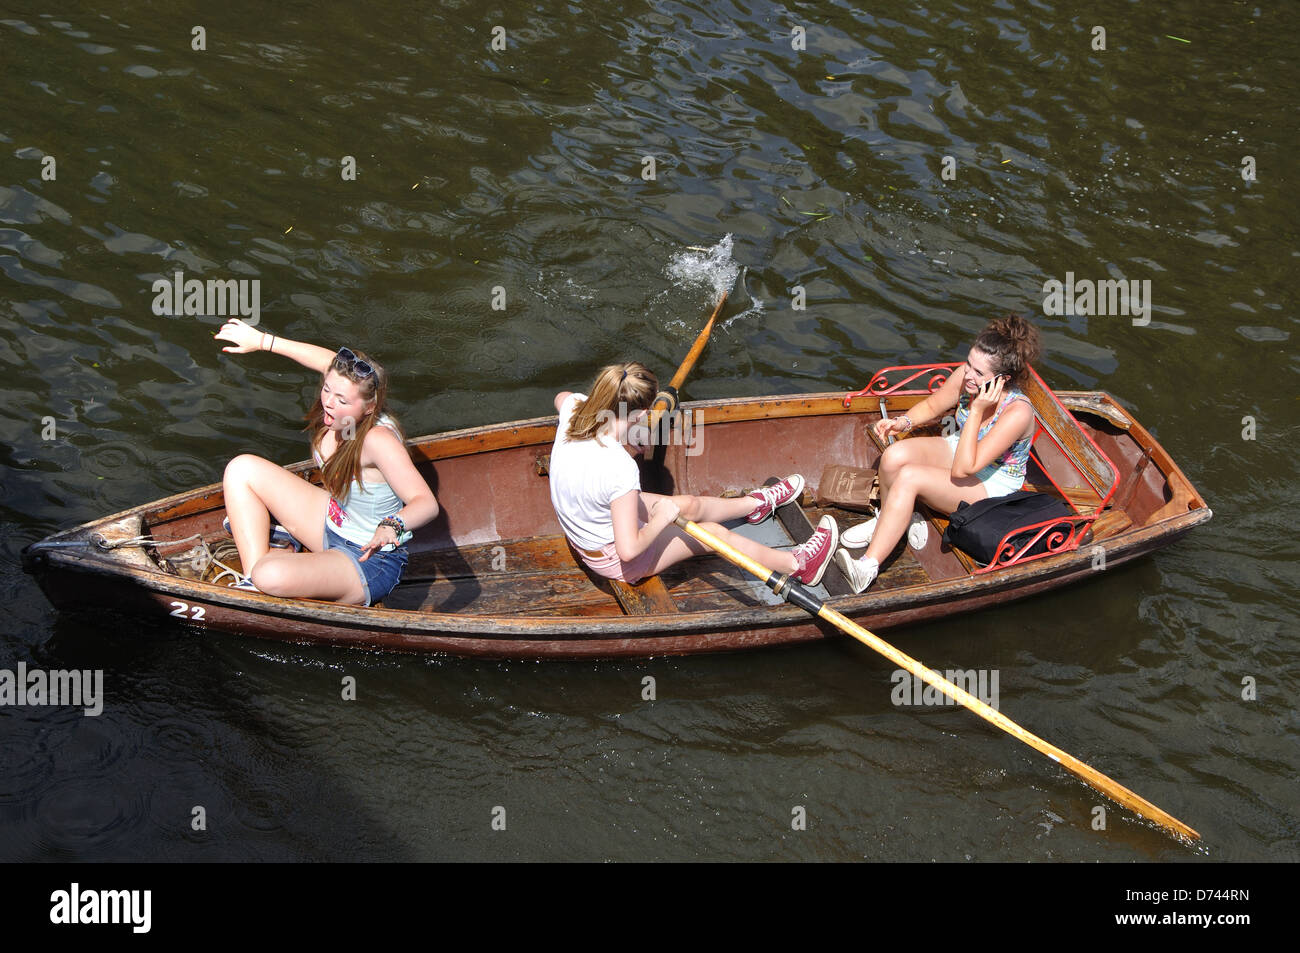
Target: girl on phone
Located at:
point(985, 456)
point(356, 527)
point(622, 532)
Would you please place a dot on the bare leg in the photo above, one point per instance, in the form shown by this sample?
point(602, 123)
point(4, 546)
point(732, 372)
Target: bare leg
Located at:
point(706, 511)
point(329, 575)
point(257, 489)
point(930, 451)
point(711, 509)
point(933, 485)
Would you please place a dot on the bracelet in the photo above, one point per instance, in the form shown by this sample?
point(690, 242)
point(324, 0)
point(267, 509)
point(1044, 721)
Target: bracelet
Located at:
point(395, 522)
point(908, 418)
point(272, 347)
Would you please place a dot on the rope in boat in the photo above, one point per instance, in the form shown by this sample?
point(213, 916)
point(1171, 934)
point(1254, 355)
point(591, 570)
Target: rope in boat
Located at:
point(210, 558)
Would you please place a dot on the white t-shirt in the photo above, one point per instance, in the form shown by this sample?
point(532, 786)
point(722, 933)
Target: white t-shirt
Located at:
point(586, 477)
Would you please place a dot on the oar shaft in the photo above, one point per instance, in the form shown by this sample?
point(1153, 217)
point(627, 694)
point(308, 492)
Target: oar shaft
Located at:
point(802, 597)
point(666, 401)
point(697, 348)
point(1089, 775)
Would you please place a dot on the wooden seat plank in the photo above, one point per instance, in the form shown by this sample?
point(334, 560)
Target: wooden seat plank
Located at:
point(648, 597)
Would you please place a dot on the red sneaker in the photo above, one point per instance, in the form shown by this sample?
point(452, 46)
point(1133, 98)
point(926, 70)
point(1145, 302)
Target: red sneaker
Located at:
point(815, 555)
point(778, 494)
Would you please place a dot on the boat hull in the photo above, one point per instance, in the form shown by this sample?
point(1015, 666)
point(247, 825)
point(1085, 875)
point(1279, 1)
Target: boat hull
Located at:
point(76, 574)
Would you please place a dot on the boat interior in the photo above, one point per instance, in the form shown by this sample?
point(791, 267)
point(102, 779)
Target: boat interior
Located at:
point(497, 550)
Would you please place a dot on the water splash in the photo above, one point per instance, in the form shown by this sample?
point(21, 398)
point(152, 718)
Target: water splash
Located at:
point(705, 267)
point(714, 268)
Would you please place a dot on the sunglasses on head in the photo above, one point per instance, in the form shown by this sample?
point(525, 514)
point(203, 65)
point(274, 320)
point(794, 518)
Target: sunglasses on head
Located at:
point(349, 363)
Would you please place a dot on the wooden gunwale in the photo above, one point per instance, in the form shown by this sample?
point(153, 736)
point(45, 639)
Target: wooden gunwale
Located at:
point(577, 636)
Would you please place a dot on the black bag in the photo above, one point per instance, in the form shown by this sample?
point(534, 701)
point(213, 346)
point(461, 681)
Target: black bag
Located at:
point(977, 528)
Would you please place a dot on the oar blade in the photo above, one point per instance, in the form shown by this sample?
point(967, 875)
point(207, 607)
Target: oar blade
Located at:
point(808, 601)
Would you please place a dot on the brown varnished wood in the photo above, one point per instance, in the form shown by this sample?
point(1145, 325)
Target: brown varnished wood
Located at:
point(1066, 429)
point(1107, 525)
point(1083, 499)
point(1128, 489)
point(1092, 402)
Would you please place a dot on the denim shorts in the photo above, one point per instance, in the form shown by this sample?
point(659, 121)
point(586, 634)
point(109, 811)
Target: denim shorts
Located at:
point(380, 574)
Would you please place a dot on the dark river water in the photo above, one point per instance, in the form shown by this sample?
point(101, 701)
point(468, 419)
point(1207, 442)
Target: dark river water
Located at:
point(816, 137)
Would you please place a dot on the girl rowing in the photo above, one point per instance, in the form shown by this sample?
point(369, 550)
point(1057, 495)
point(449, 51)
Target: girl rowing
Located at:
point(985, 457)
point(356, 527)
point(624, 533)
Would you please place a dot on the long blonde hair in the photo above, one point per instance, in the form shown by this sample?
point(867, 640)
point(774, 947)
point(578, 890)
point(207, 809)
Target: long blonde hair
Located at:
point(631, 385)
point(344, 465)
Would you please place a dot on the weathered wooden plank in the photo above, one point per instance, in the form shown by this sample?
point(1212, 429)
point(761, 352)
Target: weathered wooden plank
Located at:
point(1091, 402)
point(1094, 466)
point(514, 593)
point(1107, 525)
point(647, 597)
point(1080, 497)
point(537, 553)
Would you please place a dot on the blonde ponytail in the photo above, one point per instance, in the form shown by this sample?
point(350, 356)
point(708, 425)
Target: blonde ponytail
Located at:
point(631, 386)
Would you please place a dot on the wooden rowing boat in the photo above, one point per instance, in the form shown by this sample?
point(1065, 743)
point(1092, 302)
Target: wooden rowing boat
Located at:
point(493, 575)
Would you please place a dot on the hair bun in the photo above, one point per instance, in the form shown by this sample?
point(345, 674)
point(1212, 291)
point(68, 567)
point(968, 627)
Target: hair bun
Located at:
point(1013, 344)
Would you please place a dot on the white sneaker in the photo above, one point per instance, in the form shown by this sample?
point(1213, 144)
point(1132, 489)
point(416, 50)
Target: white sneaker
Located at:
point(240, 582)
point(858, 535)
point(859, 572)
point(918, 534)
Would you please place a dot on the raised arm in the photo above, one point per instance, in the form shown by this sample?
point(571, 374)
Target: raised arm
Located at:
point(972, 453)
point(247, 338)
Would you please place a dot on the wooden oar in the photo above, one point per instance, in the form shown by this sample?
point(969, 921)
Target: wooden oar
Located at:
point(666, 400)
point(793, 591)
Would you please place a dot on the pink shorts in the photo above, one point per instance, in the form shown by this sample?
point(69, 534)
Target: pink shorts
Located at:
point(608, 564)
